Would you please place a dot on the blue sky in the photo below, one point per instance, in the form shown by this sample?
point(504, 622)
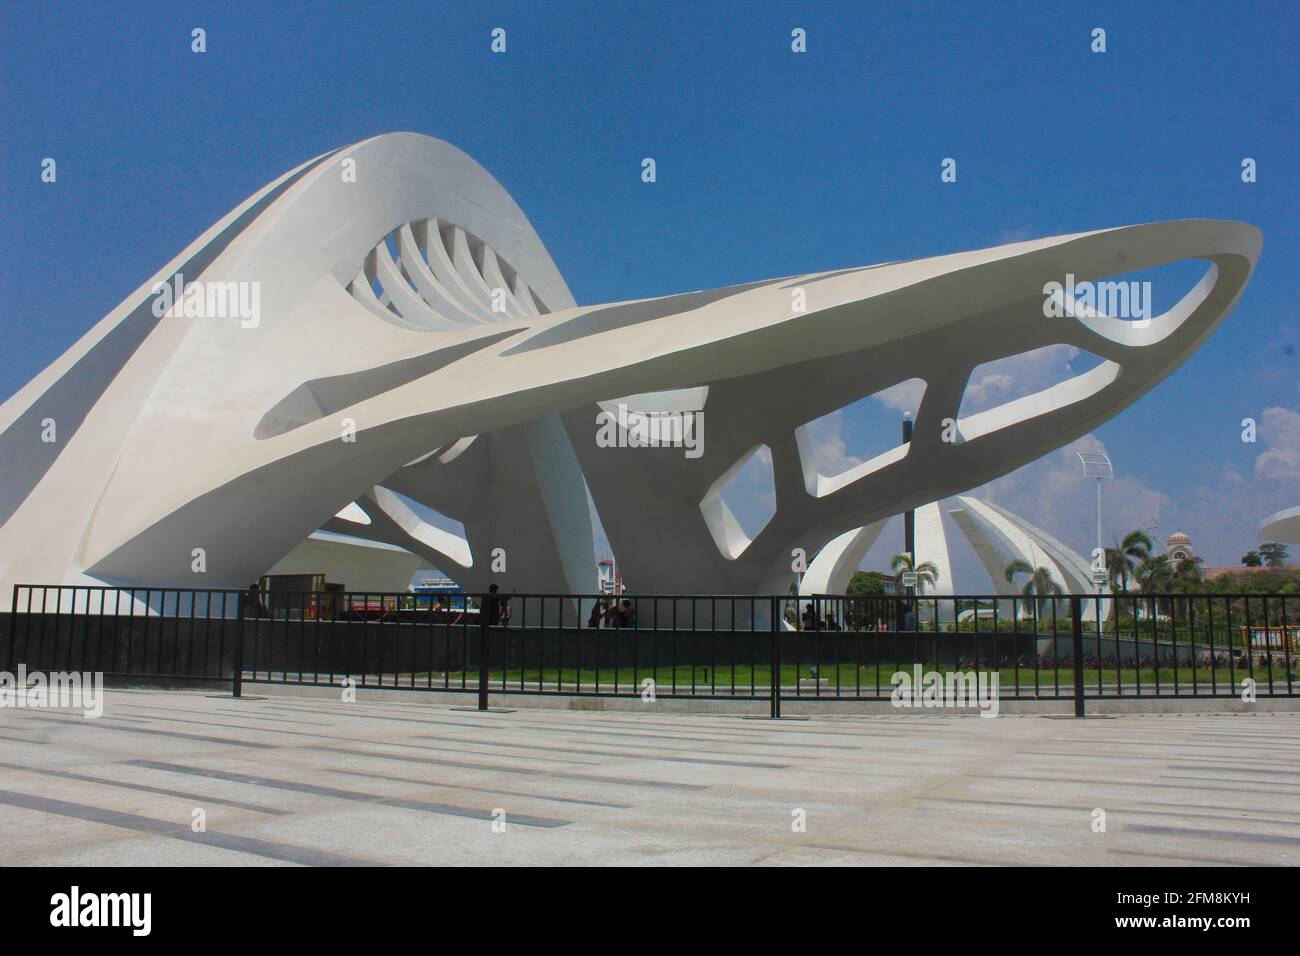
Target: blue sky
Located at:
point(769, 163)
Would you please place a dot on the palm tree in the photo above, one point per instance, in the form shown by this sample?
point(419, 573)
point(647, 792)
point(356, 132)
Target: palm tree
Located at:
point(1129, 553)
point(1189, 570)
point(1040, 583)
point(1155, 573)
point(1117, 569)
point(926, 572)
point(1123, 559)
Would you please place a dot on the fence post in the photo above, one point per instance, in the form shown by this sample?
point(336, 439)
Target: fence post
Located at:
point(237, 679)
point(1076, 627)
point(775, 679)
point(484, 616)
point(10, 663)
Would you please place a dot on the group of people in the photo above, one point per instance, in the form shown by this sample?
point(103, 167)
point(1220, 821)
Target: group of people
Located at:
point(612, 614)
point(811, 622)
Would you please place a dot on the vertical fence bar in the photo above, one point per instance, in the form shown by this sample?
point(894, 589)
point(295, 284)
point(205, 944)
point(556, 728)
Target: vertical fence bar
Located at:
point(1289, 650)
point(10, 663)
point(237, 678)
point(775, 679)
point(1076, 628)
point(1268, 644)
point(1250, 647)
point(1214, 656)
point(1173, 640)
point(1056, 651)
point(484, 638)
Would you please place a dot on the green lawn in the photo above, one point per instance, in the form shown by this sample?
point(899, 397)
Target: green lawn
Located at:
point(849, 677)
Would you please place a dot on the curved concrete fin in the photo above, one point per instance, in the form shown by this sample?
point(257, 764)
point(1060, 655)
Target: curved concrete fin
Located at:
point(834, 567)
point(319, 397)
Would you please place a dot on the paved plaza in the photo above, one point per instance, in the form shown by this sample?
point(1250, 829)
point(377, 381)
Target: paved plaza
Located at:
point(316, 781)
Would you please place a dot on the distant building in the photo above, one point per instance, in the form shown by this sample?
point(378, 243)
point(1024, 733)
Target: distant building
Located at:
point(433, 584)
point(1240, 570)
point(1178, 547)
point(334, 561)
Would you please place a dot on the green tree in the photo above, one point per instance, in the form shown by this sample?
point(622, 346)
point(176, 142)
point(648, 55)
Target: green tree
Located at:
point(1273, 554)
point(1252, 559)
point(868, 585)
point(866, 582)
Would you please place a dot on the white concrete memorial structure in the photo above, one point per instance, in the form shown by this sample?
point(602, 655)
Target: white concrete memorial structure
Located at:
point(381, 329)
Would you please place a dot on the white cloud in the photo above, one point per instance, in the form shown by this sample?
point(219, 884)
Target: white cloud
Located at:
point(829, 452)
point(1006, 379)
point(905, 396)
point(1001, 380)
point(1279, 429)
point(982, 392)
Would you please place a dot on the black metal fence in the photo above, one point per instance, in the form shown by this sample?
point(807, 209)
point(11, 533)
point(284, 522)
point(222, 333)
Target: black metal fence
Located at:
point(721, 647)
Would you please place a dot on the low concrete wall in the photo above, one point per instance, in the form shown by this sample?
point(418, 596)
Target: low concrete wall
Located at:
point(178, 649)
point(206, 647)
point(791, 707)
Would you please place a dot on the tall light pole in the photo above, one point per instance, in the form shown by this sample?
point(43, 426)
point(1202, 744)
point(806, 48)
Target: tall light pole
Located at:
point(1097, 465)
point(909, 516)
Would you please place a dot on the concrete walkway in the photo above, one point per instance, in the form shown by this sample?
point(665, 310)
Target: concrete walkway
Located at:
point(316, 781)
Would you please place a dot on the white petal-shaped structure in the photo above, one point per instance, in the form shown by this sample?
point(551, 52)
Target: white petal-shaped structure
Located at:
point(997, 537)
point(932, 547)
point(1283, 526)
point(832, 569)
point(413, 345)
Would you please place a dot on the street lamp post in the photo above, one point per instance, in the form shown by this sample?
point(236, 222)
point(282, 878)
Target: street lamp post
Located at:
point(909, 516)
point(1097, 465)
point(909, 521)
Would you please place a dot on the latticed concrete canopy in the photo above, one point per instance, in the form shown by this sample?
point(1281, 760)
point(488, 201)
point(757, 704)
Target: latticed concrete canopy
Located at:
point(410, 344)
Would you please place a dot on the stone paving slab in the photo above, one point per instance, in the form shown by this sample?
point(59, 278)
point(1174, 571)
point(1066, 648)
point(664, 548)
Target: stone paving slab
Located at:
point(316, 781)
